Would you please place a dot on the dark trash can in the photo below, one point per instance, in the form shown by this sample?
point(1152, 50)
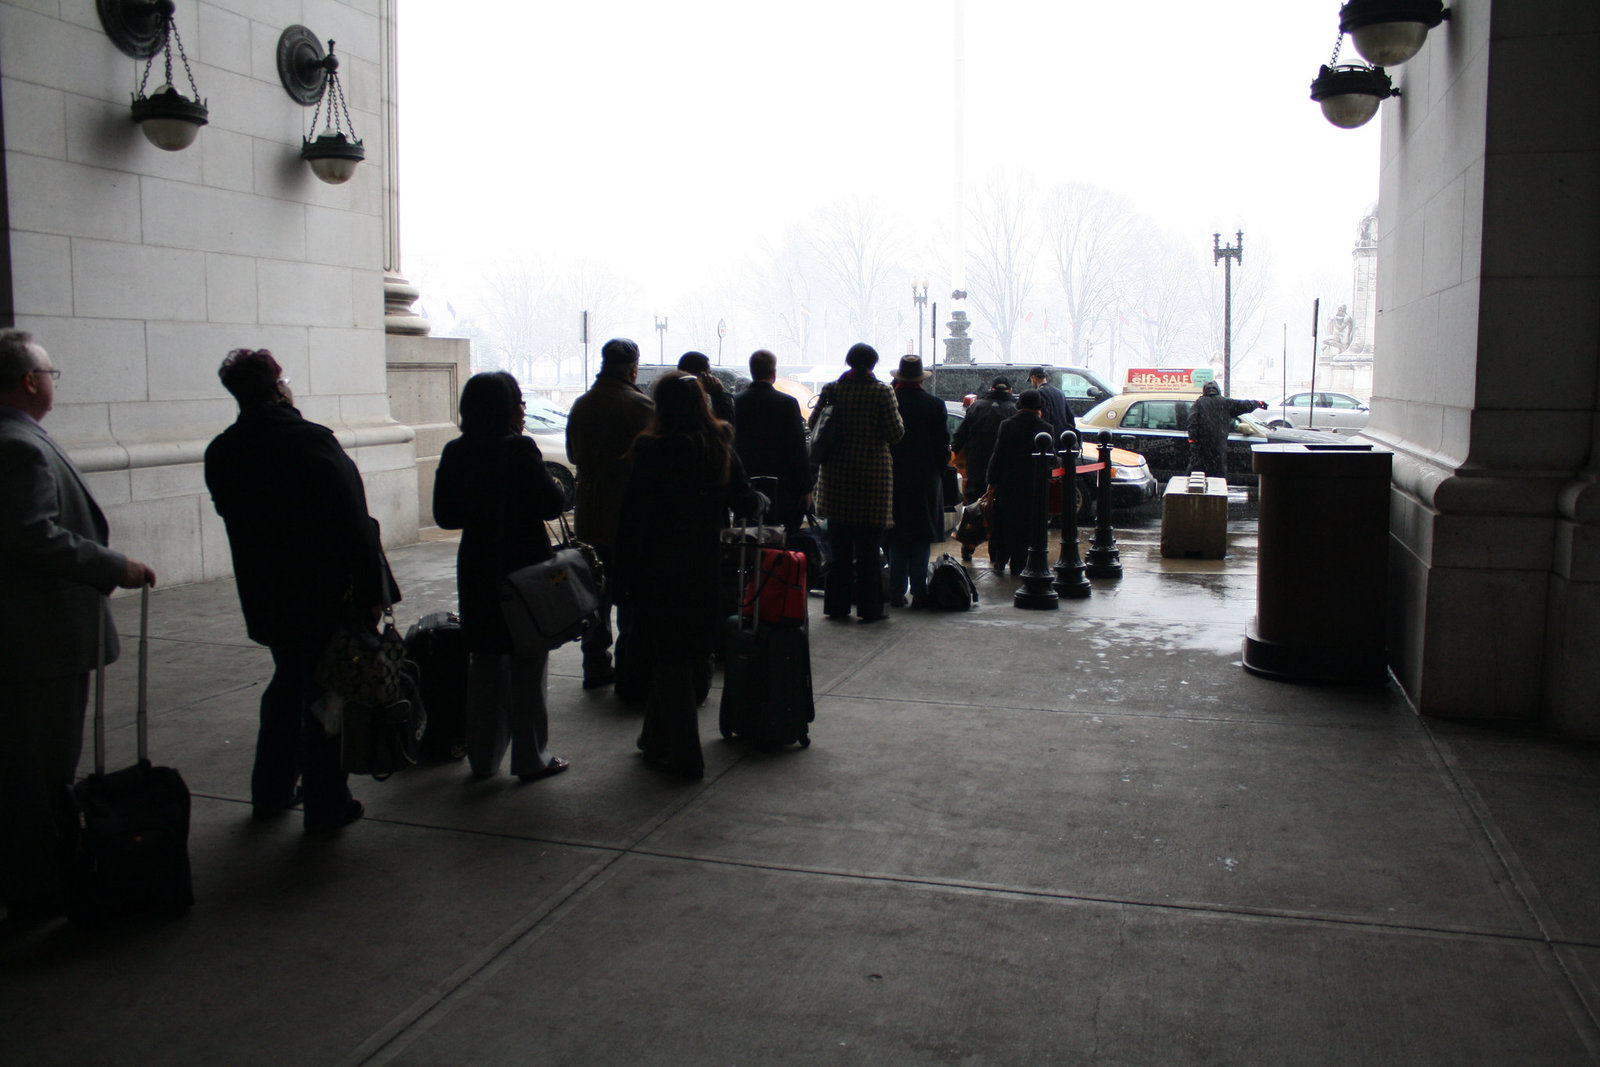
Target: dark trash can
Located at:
point(1322, 583)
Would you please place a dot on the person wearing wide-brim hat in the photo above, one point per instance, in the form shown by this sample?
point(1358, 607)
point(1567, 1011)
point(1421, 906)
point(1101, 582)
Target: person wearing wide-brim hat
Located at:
point(920, 458)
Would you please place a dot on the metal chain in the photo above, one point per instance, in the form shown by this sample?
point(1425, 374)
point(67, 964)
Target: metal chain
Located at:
point(338, 88)
point(1338, 42)
point(183, 56)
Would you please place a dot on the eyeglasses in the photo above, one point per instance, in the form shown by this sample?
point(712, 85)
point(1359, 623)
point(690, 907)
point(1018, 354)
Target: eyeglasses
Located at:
point(285, 381)
point(55, 375)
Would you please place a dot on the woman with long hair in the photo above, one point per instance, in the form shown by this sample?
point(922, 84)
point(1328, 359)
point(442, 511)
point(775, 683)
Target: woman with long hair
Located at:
point(685, 478)
point(492, 486)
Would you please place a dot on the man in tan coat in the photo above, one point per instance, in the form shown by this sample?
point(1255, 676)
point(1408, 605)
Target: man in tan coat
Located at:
point(600, 432)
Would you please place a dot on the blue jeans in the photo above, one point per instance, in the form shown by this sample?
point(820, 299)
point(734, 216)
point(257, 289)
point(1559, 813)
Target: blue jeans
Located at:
point(908, 560)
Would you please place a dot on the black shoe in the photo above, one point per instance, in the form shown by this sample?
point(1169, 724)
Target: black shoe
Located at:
point(353, 810)
point(872, 618)
point(599, 677)
point(268, 812)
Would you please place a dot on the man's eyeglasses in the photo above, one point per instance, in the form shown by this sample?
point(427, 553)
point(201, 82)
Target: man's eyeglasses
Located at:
point(55, 375)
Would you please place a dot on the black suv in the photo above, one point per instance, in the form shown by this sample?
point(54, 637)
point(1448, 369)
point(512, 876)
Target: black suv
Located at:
point(1083, 390)
point(731, 379)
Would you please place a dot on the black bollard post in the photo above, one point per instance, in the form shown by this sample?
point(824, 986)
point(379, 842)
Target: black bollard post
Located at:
point(1071, 581)
point(1104, 559)
point(1038, 583)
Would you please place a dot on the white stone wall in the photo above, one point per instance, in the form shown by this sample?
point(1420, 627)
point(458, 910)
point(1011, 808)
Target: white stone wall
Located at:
point(138, 269)
point(1489, 334)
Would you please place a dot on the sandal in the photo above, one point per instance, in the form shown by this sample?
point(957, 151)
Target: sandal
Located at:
point(555, 766)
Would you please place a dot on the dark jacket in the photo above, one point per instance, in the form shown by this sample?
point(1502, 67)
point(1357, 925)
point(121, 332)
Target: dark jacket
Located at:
point(295, 508)
point(721, 400)
point(1210, 418)
point(977, 435)
point(1056, 411)
point(770, 437)
point(665, 561)
point(496, 491)
point(856, 486)
point(1011, 474)
point(920, 458)
point(600, 431)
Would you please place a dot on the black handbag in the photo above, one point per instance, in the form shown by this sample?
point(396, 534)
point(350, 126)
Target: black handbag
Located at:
point(826, 434)
point(379, 739)
point(810, 540)
point(362, 663)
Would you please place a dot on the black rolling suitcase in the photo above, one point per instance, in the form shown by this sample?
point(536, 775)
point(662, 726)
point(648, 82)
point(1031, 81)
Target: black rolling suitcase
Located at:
point(436, 645)
point(766, 685)
point(132, 826)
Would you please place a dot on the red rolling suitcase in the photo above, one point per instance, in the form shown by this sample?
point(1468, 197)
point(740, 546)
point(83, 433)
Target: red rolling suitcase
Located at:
point(132, 826)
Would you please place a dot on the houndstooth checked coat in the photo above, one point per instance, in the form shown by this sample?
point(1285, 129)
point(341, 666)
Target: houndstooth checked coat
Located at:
point(857, 487)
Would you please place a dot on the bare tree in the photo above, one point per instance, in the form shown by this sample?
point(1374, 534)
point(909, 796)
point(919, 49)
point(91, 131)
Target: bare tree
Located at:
point(517, 303)
point(859, 249)
point(783, 291)
point(1162, 303)
point(1004, 253)
point(1092, 235)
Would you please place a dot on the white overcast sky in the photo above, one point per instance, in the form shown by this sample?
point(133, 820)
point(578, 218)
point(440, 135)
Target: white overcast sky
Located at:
point(669, 139)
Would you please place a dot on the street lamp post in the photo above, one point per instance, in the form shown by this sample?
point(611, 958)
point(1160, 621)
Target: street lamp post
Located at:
point(921, 300)
point(1227, 256)
point(661, 332)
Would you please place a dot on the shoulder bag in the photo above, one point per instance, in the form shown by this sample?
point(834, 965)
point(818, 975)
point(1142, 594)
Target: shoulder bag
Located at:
point(554, 601)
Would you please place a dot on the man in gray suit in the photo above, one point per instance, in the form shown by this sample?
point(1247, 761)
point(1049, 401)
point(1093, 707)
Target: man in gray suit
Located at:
point(56, 571)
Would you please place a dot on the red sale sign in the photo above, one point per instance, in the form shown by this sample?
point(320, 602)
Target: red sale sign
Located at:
point(1181, 378)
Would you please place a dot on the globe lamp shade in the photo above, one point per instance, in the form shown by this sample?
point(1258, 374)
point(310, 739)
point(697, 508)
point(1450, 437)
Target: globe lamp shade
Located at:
point(169, 120)
point(1389, 32)
point(333, 157)
point(1350, 95)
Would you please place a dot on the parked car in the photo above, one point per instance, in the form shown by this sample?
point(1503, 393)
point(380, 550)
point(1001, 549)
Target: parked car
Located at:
point(547, 425)
point(1156, 425)
point(1082, 388)
point(1321, 410)
point(1132, 483)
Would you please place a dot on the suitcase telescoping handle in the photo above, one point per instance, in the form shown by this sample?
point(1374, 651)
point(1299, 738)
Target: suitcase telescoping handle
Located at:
point(141, 716)
point(746, 536)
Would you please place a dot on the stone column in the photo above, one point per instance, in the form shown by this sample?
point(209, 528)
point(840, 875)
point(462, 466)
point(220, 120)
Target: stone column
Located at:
point(398, 293)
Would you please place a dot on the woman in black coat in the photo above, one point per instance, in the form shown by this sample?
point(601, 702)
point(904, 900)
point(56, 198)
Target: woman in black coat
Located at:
point(1011, 475)
point(920, 458)
point(685, 478)
point(492, 486)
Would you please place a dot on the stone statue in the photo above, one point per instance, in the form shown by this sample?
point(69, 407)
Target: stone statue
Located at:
point(1339, 327)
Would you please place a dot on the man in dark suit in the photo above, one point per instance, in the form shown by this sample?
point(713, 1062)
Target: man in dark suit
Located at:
point(1054, 401)
point(56, 571)
point(770, 437)
point(305, 554)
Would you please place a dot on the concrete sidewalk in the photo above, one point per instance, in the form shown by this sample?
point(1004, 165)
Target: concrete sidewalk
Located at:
point(1082, 836)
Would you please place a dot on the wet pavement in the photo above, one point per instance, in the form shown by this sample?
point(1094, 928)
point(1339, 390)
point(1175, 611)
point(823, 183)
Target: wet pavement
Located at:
point(1076, 836)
